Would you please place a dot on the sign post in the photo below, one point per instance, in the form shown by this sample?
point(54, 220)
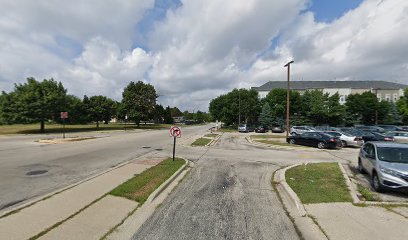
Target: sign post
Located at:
point(175, 132)
point(64, 115)
point(126, 117)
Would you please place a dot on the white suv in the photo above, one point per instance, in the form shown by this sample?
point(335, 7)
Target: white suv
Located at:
point(296, 130)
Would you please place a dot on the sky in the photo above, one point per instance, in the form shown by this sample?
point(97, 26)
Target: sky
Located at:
point(192, 51)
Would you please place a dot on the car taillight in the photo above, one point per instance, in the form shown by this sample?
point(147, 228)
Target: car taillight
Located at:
point(357, 139)
point(388, 139)
point(332, 140)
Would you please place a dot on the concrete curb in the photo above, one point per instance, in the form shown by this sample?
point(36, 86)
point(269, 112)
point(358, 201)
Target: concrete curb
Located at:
point(48, 195)
point(304, 224)
point(280, 178)
point(275, 147)
point(352, 191)
point(212, 143)
point(164, 185)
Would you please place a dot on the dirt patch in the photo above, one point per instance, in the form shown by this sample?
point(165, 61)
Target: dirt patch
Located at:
point(64, 140)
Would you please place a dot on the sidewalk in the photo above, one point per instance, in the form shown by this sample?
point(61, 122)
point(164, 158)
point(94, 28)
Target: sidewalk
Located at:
point(52, 211)
point(343, 221)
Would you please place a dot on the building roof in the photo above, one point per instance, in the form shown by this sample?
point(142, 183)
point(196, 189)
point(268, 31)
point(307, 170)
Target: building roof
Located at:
point(303, 85)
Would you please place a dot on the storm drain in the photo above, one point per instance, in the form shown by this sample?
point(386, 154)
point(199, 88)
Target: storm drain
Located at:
point(36, 172)
point(158, 149)
point(145, 147)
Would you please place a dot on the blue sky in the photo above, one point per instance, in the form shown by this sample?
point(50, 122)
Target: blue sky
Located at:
point(328, 10)
point(195, 50)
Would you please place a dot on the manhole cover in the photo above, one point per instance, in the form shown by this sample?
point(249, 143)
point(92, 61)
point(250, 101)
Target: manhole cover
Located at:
point(36, 172)
point(145, 147)
point(158, 149)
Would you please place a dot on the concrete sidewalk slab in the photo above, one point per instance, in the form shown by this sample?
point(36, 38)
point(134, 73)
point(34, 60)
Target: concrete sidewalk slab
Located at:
point(95, 221)
point(401, 210)
point(32, 220)
point(346, 221)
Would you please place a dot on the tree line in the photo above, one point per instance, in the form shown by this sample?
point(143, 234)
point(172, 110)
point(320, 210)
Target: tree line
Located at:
point(313, 107)
point(42, 101)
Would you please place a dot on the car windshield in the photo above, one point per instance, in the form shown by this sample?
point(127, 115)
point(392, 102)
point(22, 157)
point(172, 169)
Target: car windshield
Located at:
point(242, 125)
point(393, 154)
point(334, 134)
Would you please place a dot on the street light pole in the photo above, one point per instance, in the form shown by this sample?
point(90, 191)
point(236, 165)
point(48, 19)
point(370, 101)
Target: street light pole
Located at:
point(288, 99)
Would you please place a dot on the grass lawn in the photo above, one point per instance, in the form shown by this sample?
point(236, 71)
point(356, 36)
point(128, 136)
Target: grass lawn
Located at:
point(272, 142)
point(201, 142)
point(318, 183)
point(267, 136)
point(142, 185)
point(211, 135)
point(57, 128)
point(367, 193)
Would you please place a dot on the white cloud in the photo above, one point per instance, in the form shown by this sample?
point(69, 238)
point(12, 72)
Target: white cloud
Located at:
point(199, 50)
point(367, 43)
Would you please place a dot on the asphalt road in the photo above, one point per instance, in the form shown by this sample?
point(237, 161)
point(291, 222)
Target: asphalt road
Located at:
point(64, 164)
point(227, 195)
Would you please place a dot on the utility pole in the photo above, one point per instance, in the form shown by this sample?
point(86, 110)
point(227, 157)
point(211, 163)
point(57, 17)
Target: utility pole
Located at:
point(239, 106)
point(288, 99)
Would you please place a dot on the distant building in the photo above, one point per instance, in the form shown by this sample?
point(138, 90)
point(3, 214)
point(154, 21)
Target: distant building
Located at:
point(388, 91)
point(179, 119)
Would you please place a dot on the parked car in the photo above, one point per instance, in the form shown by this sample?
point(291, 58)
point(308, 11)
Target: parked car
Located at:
point(347, 139)
point(404, 128)
point(398, 136)
point(370, 136)
point(261, 129)
point(296, 130)
point(390, 128)
point(370, 128)
point(315, 139)
point(386, 163)
point(277, 130)
point(245, 128)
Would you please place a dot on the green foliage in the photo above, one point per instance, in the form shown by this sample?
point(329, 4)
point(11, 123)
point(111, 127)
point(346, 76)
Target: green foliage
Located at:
point(175, 112)
point(402, 106)
point(240, 104)
point(34, 102)
point(167, 116)
point(265, 118)
point(139, 101)
point(100, 108)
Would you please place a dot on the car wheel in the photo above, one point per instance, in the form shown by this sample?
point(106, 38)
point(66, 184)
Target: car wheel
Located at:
point(292, 141)
point(344, 143)
point(378, 187)
point(360, 166)
point(321, 145)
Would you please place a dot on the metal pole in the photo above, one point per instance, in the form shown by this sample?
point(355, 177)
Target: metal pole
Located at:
point(288, 100)
point(239, 106)
point(63, 128)
point(174, 147)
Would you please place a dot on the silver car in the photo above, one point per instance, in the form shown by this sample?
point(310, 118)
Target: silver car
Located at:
point(399, 136)
point(386, 163)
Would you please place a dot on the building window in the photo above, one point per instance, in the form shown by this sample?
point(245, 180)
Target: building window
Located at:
point(379, 96)
point(388, 97)
point(395, 97)
point(342, 99)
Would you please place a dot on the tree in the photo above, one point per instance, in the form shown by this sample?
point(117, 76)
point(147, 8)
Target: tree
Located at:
point(393, 116)
point(158, 114)
point(238, 104)
point(100, 108)
point(402, 106)
point(175, 112)
point(139, 100)
point(265, 118)
point(167, 116)
point(366, 109)
point(277, 101)
point(35, 102)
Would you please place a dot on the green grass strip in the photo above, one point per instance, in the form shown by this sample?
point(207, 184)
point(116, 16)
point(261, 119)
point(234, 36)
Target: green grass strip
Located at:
point(211, 135)
point(318, 183)
point(142, 185)
point(201, 142)
point(267, 136)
